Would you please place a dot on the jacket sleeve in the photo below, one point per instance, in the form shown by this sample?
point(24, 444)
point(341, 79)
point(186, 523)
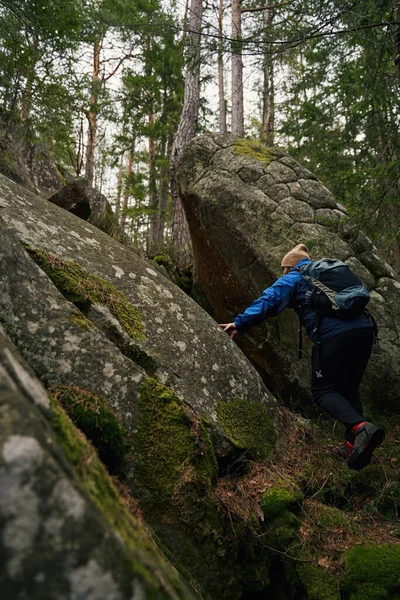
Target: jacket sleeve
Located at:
point(272, 301)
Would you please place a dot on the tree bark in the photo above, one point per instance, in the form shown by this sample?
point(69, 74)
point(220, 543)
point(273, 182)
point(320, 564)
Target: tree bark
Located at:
point(237, 71)
point(396, 7)
point(92, 116)
point(221, 86)
point(267, 127)
point(26, 100)
point(119, 187)
point(126, 192)
point(186, 130)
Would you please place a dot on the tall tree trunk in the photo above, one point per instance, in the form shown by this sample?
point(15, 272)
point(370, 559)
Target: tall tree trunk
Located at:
point(26, 100)
point(396, 7)
point(267, 127)
point(237, 71)
point(186, 130)
point(127, 183)
point(92, 115)
point(119, 187)
point(221, 86)
point(79, 154)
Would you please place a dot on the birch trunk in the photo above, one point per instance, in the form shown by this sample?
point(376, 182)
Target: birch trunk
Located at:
point(237, 71)
point(221, 85)
point(92, 116)
point(186, 129)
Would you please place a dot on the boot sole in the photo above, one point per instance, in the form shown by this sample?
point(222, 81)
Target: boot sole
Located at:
point(361, 457)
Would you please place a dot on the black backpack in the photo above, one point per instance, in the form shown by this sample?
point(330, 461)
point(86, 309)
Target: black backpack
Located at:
point(335, 291)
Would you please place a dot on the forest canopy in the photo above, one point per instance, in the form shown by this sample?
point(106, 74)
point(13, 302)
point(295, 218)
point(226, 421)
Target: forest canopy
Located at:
point(102, 84)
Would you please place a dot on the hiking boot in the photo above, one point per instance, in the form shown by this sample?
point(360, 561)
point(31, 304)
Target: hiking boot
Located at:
point(344, 450)
point(367, 437)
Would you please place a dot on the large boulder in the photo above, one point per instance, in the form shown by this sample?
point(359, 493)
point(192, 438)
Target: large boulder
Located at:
point(28, 163)
point(109, 335)
point(247, 205)
point(56, 538)
point(88, 204)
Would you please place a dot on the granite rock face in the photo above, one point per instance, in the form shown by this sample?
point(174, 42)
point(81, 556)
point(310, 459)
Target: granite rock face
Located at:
point(191, 354)
point(93, 319)
point(55, 542)
point(247, 206)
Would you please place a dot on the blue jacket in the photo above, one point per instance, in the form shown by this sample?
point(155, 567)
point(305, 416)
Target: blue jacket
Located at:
point(289, 291)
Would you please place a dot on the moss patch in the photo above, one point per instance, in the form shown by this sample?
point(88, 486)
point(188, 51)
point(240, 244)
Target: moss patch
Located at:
point(171, 441)
point(83, 289)
point(146, 560)
point(79, 319)
point(141, 358)
point(277, 499)
point(248, 426)
point(173, 475)
point(377, 566)
point(92, 415)
point(318, 584)
point(255, 150)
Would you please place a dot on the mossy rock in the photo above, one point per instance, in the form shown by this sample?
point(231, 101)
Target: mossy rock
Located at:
point(169, 440)
point(317, 583)
point(84, 289)
point(370, 591)
point(283, 533)
point(248, 427)
point(377, 566)
point(277, 500)
point(173, 473)
point(91, 414)
point(146, 560)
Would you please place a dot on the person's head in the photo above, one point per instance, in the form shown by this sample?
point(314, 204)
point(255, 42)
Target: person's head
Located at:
point(291, 259)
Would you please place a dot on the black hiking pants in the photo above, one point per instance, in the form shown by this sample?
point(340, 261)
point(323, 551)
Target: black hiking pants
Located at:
point(337, 374)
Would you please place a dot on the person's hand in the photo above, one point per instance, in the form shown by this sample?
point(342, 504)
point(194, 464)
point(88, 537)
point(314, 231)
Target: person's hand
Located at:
point(230, 329)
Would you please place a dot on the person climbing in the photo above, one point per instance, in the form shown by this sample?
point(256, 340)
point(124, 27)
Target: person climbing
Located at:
point(342, 345)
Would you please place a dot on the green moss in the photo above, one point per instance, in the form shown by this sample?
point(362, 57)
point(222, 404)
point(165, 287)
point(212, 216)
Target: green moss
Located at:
point(142, 358)
point(278, 499)
point(170, 442)
point(248, 426)
point(83, 289)
point(102, 492)
point(173, 473)
point(92, 415)
point(283, 533)
point(79, 319)
point(327, 516)
point(106, 221)
point(317, 584)
point(163, 260)
point(374, 565)
point(370, 591)
point(253, 149)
